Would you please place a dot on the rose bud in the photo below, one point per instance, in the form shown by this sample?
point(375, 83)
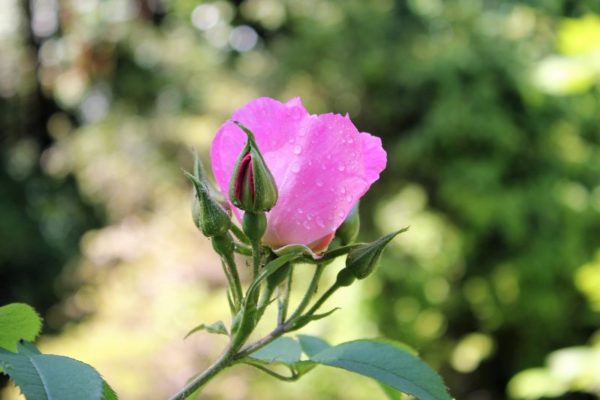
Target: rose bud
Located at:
point(208, 214)
point(252, 186)
point(364, 259)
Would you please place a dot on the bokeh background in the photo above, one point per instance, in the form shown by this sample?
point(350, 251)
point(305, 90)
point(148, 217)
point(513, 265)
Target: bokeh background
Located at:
point(489, 111)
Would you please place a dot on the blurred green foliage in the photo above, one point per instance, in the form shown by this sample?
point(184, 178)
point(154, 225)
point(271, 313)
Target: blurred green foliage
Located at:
point(490, 112)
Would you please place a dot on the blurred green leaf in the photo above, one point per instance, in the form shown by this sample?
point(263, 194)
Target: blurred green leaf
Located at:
point(18, 321)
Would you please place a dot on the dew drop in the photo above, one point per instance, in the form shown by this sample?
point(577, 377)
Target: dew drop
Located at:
point(297, 149)
point(350, 140)
point(319, 182)
point(343, 190)
point(300, 211)
point(295, 168)
point(341, 214)
point(309, 216)
point(341, 167)
point(291, 140)
point(348, 198)
point(320, 222)
point(306, 224)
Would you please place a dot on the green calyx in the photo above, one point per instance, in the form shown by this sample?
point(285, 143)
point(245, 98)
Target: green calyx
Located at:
point(208, 214)
point(348, 231)
point(363, 260)
point(252, 187)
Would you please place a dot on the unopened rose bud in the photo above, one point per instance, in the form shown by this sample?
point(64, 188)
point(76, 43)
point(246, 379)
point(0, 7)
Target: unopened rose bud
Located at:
point(364, 259)
point(348, 231)
point(252, 187)
point(208, 214)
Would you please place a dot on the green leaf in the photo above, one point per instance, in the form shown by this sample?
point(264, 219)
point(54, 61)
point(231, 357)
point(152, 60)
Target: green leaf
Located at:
point(217, 327)
point(50, 377)
point(388, 363)
point(312, 345)
point(18, 321)
point(283, 350)
point(108, 393)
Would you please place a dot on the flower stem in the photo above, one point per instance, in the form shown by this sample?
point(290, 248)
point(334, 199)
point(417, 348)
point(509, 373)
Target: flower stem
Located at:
point(322, 299)
point(285, 298)
point(224, 361)
point(234, 282)
point(312, 288)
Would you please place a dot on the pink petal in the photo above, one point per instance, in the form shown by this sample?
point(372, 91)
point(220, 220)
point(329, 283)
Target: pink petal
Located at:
point(321, 163)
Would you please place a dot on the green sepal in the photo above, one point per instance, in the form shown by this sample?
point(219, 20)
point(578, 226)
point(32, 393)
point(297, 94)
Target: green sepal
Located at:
point(363, 260)
point(208, 214)
point(217, 328)
point(258, 190)
point(348, 231)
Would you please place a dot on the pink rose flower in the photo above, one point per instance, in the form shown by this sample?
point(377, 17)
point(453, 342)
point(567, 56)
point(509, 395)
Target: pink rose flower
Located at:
point(322, 165)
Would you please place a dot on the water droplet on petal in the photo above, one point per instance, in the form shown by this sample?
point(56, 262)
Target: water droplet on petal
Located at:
point(319, 182)
point(341, 167)
point(306, 224)
point(348, 198)
point(295, 168)
point(300, 211)
point(341, 214)
point(343, 190)
point(350, 140)
point(320, 222)
point(297, 149)
point(291, 140)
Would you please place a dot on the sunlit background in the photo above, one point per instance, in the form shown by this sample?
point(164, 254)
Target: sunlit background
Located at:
point(489, 111)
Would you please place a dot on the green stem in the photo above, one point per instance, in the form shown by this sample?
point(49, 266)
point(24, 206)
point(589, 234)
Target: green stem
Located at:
point(239, 234)
point(234, 283)
point(293, 377)
point(285, 299)
point(224, 361)
point(312, 288)
point(322, 299)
